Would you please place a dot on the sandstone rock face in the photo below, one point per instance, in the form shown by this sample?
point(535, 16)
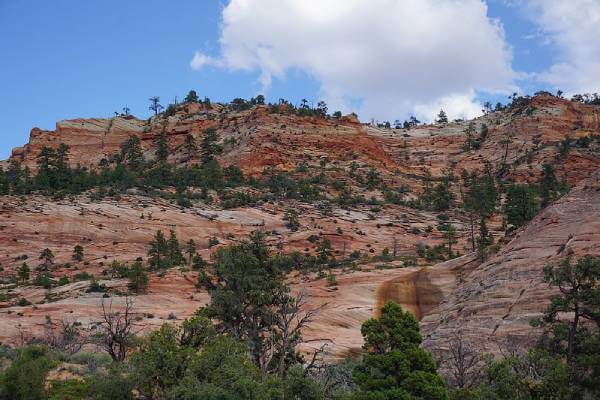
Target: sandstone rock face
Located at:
point(173, 297)
point(111, 229)
point(487, 302)
point(498, 299)
point(121, 230)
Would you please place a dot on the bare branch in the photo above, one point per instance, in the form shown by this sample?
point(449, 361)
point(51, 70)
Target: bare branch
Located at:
point(116, 329)
point(462, 363)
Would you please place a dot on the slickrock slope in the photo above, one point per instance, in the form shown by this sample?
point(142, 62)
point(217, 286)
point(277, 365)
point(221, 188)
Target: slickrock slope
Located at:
point(173, 297)
point(499, 298)
point(111, 229)
point(487, 302)
point(121, 230)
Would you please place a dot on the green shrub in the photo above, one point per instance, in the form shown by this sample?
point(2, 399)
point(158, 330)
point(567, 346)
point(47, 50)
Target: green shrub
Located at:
point(23, 302)
point(138, 278)
point(24, 379)
point(114, 385)
point(72, 389)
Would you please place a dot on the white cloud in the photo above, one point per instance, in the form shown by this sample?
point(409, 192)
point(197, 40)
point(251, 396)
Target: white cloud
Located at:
point(574, 27)
point(456, 105)
point(398, 57)
point(200, 60)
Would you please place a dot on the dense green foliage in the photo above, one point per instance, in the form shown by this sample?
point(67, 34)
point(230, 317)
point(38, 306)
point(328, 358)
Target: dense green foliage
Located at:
point(394, 366)
point(235, 349)
point(24, 379)
point(165, 253)
point(575, 338)
point(78, 253)
point(138, 278)
point(436, 197)
point(204, 366)
point(251, 301)
point(532, 376)
point(521, 204)
point(129, 169)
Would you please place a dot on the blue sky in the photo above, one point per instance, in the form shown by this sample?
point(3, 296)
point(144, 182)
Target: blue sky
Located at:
point(66, 59)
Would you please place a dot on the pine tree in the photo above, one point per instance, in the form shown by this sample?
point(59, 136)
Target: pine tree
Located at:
point(175, 255)
point(155, 105)
point(324, 252)
point(469, 132)
point(291, 216)
point(209, 146)
point(138, 278)
point(61, 162)
point(45, 178)
point(321, 109)
point(131, 152)
point(23, 273)
point(191, 97)
point(442, 196)
point(442, 118)
point(572, 318)
point(78, 253)
point(484, 239)
point(4, 186)
point(162, 148)
point(45, 160)
point(449, 233)
point(47, 256)
point(190, 249)
point(521, 204)
point(15, 177)
point(190, 146)
point(373, 179)
point(158, 250)
point(483, 133)
point(548, 185)
point(198, 263)
point(479, 197)
point(394, 366)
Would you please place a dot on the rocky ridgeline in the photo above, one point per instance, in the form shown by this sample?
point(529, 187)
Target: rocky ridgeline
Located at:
point(523, 138)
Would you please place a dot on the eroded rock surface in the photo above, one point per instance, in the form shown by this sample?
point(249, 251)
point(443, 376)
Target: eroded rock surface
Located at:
point(498, 299)
point(487, 302)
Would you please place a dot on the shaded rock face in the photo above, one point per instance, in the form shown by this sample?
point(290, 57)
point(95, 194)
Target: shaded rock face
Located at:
point(487, 302)
point(498, 299)
point(422, 290)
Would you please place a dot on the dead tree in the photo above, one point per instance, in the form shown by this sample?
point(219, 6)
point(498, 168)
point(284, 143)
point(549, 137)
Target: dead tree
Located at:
point(462, 363)
point(116, 329)
point(332, 377)
point(292, 319)
point(65, 335)
point(155, 105)
point(317, 362)
point(278, 342)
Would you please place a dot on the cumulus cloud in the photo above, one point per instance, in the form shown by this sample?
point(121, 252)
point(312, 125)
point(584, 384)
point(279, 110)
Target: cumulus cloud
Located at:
point(200, 60)
point(391, 57)
point(456, 105)
point(572, 26)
